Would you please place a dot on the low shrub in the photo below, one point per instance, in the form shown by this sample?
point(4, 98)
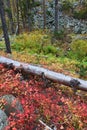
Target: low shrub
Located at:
point(52, 104)
point(66, 6)
point(82, 14)
point(32, 42)
point(82, 68)
point(80, 11)
point(79, 49)
point(59, 34)
point(50, 49)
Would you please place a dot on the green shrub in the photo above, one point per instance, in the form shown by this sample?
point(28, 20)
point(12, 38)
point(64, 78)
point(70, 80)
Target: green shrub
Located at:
point(59, 34)
point(36, 4)
point(79, 49)
point(32, 42)
point(81, 11)
point(82, 14)
point(49, 49)
point(82, 68)
point(66, 5)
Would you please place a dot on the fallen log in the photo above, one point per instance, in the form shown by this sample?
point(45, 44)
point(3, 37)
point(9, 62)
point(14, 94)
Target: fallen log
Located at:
point(72, 82)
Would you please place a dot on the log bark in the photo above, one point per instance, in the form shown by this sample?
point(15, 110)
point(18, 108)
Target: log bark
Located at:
point(72, 82)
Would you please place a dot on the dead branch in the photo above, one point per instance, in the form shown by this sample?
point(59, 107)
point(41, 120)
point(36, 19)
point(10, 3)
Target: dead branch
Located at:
point(72, 82)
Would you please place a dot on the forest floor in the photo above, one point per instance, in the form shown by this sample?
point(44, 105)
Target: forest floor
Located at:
point(56, 105)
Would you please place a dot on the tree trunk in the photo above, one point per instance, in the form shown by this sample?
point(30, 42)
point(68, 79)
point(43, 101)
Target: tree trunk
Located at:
point(28, 12)
point(44, 14)
point(56, 15)
point(4, 26)
point(74, 83)
point(22, 15)
point(10, 16)
point(17, 5)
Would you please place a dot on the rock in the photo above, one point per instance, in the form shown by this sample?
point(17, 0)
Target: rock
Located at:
point(3, 120)
point(0, 39)
point(83, 32)
point(64, 21)
point(80, 37)
point(11, 105)
point(77, 29)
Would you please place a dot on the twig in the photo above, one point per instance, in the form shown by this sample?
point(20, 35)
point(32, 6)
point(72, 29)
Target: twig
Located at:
point(46, 126)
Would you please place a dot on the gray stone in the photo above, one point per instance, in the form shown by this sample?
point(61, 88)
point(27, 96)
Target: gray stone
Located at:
point(3, 120)
point(65, 21)
point(83, 32)
point(77, 29)
point(12, 104)
point(0, 39)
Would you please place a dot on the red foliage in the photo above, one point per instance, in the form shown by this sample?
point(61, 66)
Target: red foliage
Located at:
point(52, 106)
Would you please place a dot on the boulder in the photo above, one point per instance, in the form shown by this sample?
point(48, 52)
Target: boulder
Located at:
point(11, 104)
point(3, 120)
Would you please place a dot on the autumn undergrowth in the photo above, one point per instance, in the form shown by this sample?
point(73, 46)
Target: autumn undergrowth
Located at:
point(42, 48)
point(56, 105)
point(52, 104)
